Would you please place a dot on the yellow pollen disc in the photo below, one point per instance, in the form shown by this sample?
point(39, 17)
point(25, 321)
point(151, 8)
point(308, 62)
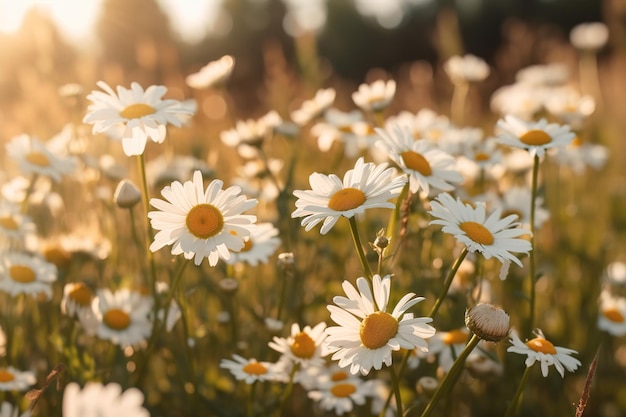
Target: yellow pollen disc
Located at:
point(255, 368)
point(535, 138)
point(8, 223)
point(434, 134)
point(455, 337)
point(377, 329)
point(339, 376)
point(38, 158)
point(346, 199)
point(81, 294)
point(477, 232)
point(541, 345)
point(6, 376)
point(137, 110)
point(577, 142)
point(116, 319)
point(416, 162)
point(345, 129)
point(22, 274)
point(57, 256)
point(343, 390)
point(303, 346)
point(613, 314)
point(481, 156)
point(204, 221)
point(247, 245)
point(509, 212)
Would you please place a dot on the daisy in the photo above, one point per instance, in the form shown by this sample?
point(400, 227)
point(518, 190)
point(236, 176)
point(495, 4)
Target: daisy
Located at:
point(364, 187)
point(122, 316)
point(143, 114)
point(519, 99)
point(468, 68)
point(515, 201)
point(214, 73)
point(448, 345)
point(34, 157)
point(248, 135)
point(12, 379)
point(366, 334)
point(549, 75)
point(315, 107)
point(201, 223)
point(76, 297)
point(541, 350)
point(249, 370)
point(14, 225)
point(339, 392)
point(578, 156)
point(21, 273)
point(589, 36)
point(96, 399)
point(302, 346)
point(424, 164)
point(569, 106)
point(612, 317)
point(8, 410)
point(535, 137)
point(259, 246)
point(349, 129)
point(493, 236)
point(374, 97)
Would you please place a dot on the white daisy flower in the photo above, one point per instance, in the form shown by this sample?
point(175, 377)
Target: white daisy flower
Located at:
point(519, 99)
point(302, 346)
point(12, 379)
point(543, 351)
point(339, 392)
point(493, 236)
point(612, 317)
point(315, 107)
point(259, 246)
point(34, 157)
point(76, 297)
point(578, 156)
point(248, 135)
point(366, 334)
point(425, 164)
point(515, 201)
point(374, 97)
point(214, 73)
point(201, 223)
point(549, 75)
point(122, 316)
point(349, 129)
point(589, 36)
point(14, 225)
point(21, 273)
point(570, 107)
point(143, 114)
point(535, 137)
point(364, 187)
point(98, 400)
point(8, 410)
point(468, 68)
point(448, 345)
point(249, 370)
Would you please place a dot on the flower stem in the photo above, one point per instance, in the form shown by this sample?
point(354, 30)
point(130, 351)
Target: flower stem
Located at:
point(451, 377)
point(458, 102)
point(252, 400)
point(288, 389)
point(396, 390)
point(448, 282)
point(514, 406)
point(359, 248)
point(533, 278)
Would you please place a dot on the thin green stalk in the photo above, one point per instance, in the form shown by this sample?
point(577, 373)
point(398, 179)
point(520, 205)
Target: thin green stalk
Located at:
point(533, 278)
point(395, 215)
point(514, 406)
point(396, 390)
point(359, 248)
point(252, 400)
point(451, 377)
point(448, 282)
point(288, 389)
point(28, 192)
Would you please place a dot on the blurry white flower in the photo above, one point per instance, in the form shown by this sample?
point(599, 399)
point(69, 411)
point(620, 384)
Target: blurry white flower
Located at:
point(448, 346)
point(339, 391)
point(76, 296)
point(375, 97)
point(249, 370)
point(259, 246)
point(248, 135)
point(589, 36)
point(98, 400)
point(315, 107)
point(549, 75)
point(21, 273)
point(612, 314)
point(354, 134)
point(518, 99)
point(579, 155)
point(12, 379)
point(34, 157)
point(8, 410)
point(468, 68)
point(14, 225)
point(214, 73)
point(570, 106)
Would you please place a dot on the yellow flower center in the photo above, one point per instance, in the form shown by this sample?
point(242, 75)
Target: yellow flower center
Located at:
point(346, 199)
point(6, 376)
point(477, 232)
point(416, 162)
point(338, 376)
point(613, 314)
point(481, 156)
point(116, 319)
point(303, 346)
point(137, 110)
point(455, 337)
point(577, 142)
point(38, 158)
point(345, 129)
point(22, 274)
point(8, 223)
point(80, 293)
point(342, 390)
point(541, 345)
point(434, 134)
point(247, 245)
point(509, 212)
point(377, 328)
point(255, 368)
point(204, 221)
point(535, 138)
point(57, 256)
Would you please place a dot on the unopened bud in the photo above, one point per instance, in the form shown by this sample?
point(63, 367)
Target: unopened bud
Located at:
point(488, 322)
point(126, 194)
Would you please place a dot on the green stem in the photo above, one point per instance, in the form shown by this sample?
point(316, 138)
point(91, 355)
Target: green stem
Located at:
point(359, 248)
point(252, 400)
point(533, 278)
point(514, 406)
point(28, 192)
point(451, 377)
point(396, 390)
point(288, 389)
point(448, 282)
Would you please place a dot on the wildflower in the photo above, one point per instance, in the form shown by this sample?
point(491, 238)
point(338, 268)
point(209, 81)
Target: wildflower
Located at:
point(122, 316)
point(448, 345)
point(214, 73)
point(425, 165)
point(339, 391)
point(259, 246)
point(519, 99)
point(535, 137)
point(541, 350)
point(374, 97)
point(8, 410)
point(201, 223)
point(612, 317)
point(143, 114)
point(488, 322)
point(249, 370)
point(349, 129)
point(13, 224)
point(492, 236)
point(315, 107)
point(515, 201)
point(96, 399)
point(77, 296)
point(578, 156)
point(569, 106)
point(34, 157)
point(21, 273)
point(468, 68)
point(248, 135)
point(589, 36)
point(12, 379)
point(126, 194)
point(364, 187)
point(302, 346)
point(550, 75)
point(366, 334)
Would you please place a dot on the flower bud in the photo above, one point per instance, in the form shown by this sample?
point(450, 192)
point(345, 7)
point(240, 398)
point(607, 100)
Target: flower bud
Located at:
point(488, 322)
point(126, 194)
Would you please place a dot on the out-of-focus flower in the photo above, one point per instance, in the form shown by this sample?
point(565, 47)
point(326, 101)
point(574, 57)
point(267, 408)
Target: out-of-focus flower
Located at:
point(515, 201)
point(302, 346)
point(310, 109)
point(21, 273)
point(34, 157)
point(589, 36)
point(77, 296)
point(12, 379)
point(549, 75)
point(468, 68)
point(612, 317)
point(259, 246)
point(448, 345)
point(339, 392)
point(249, 370)
point(536, 137)
point(212, 74)
point(98, 400)
point(543, 351)
point(579, 155)
point(374, 97)
point(349, 129)
point(14, 225)
point(518, 99)
point(248, 135)
point(8, 410)
point(126, 194)
point(570, 106)
point(122, 316)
